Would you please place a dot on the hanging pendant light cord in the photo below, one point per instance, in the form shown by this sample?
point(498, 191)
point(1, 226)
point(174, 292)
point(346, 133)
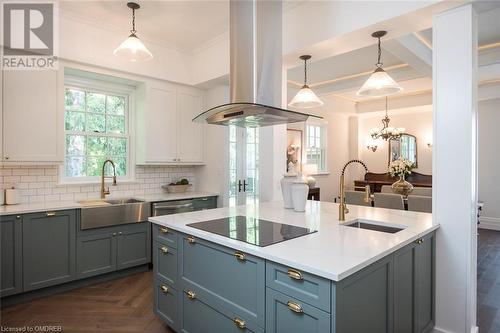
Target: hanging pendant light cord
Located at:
point(379, 64)
point(133, 22)
point(305, 72)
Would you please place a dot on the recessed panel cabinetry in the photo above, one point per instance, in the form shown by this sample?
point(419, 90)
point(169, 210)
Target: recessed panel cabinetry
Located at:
point(32, 116)
point(165, 131)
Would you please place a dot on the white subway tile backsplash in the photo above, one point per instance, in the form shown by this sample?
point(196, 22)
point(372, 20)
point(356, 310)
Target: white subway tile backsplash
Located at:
point(40, 183)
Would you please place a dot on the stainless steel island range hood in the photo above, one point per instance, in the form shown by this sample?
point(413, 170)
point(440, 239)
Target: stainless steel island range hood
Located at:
point(255, 69)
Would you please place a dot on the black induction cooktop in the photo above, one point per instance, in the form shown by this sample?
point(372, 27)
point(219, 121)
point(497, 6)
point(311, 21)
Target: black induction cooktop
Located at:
point(252, 230)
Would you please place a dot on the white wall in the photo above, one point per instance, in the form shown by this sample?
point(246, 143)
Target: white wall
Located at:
point(418, 123)
point(488, 162)
point(213, 176)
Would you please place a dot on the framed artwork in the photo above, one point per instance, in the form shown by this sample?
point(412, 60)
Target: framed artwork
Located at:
point(293, 150)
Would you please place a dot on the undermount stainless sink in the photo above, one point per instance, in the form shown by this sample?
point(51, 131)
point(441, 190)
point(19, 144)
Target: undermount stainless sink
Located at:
point(110, 212)
point(374, 225)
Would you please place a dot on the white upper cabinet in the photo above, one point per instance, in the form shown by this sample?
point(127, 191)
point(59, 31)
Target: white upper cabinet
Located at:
point(190, 146)
point(165, 132)
point(32, 117)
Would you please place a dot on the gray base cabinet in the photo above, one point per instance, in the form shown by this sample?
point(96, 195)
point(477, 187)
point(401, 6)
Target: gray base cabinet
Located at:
point(106, 250)
point(49, 248)
point(11, 255)
point(204, 287)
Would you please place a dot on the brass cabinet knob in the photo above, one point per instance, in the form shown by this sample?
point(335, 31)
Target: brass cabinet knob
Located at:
point(240, 323)
point(164, 289)
point(18, 217)
point(191, 240)
point(164, 249)
point(294, 274)
point(7, 157)
point(191, 294)
point(114, 234)
point(50, 214)
point(295, 307)
point(164, 230)
point(120, 233)
point(419, 241)
point(239, 255)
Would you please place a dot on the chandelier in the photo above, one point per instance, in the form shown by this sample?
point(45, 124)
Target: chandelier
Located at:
point(387, 133)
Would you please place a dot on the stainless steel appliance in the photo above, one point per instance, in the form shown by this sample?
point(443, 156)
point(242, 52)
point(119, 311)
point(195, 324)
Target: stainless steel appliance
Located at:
point(173, 207)
point(255, 30)
point(252, 230)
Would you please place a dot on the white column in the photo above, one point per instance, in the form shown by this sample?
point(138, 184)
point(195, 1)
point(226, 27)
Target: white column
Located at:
point(454, 167)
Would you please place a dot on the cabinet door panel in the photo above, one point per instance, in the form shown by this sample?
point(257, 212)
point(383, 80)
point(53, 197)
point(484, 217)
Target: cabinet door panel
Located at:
point(134, 245)
point(404, 289)
point(190, 146)
point(96, 254)
point(161, 125)
point(49, 254)
point(166, 303)
point(425, 284)
point(281, 319)
point(31, 122)
point(11, 255)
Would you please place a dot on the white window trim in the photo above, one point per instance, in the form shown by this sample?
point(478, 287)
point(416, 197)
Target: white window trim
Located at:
point(322, 124)
point(105, 87)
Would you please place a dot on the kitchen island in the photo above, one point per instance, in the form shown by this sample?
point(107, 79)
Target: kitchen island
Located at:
point(336, 279)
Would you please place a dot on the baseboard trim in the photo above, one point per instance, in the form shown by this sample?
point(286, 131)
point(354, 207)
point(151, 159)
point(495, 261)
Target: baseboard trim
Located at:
point(491, 223)
point(475, 329)
point(48, 291)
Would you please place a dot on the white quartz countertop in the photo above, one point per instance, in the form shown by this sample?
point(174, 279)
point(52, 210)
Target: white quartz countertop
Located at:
point(62, 205)
point(333, 252)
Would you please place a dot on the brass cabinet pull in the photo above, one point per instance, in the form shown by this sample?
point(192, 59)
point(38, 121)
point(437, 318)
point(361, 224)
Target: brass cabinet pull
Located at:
point(191, 294)
point(164, 289)
point(240, 256)
point(18, 217)
point(49, 214)
point(419, 241)
point(295, 307)
point(191, 240)
point(240, 323)
point(164, 230)
point(164, 249)
point(294, 274)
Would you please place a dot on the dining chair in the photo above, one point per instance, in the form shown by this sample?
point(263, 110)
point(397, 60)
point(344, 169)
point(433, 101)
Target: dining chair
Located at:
point(356, 198)
point(422, 191)
point(386, 189)
point(389, 200)
point(420, 203)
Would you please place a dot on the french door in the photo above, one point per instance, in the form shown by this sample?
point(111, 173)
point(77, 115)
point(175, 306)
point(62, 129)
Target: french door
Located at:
point(243, 165)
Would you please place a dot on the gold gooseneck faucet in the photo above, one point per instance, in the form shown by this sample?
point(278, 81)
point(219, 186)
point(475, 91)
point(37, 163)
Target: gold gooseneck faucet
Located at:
point(104, 191)
point(342, 206)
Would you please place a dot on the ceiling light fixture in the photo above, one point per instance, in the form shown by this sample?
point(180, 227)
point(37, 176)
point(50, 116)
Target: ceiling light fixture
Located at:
point(387, 133)
point(305, 98)
point(379, 83)
point(132, 48)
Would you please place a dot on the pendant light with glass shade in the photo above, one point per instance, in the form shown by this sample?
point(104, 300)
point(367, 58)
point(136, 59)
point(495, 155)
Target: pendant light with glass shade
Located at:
point(305, 98)
point(132, 48)
point(379, 83)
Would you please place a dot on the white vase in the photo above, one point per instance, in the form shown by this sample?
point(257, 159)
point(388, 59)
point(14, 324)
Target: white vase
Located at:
point(300, 189)
point(286, 189)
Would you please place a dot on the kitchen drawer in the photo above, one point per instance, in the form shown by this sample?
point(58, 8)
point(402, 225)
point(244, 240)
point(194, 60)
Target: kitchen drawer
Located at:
point(165, 263)
point(289, 315)
point(166, 303)
point(165, 235)
point(200, 317)
point(303, 286)
point(205, 203)
point(222, 279)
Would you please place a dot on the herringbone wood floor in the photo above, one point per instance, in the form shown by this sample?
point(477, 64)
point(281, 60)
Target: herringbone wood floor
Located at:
point(118, 306)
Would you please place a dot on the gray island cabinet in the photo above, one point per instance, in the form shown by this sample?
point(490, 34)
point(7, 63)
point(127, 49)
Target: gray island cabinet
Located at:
point(201, 286)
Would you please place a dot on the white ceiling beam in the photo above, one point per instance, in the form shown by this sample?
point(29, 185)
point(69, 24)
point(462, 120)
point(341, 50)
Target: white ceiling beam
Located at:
point(411, 50)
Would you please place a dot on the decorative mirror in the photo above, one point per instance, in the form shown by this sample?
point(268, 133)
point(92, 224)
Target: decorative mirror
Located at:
point(404, 147)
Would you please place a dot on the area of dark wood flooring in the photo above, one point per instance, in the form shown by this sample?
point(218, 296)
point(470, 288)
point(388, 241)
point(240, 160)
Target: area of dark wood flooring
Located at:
point(118, 306)
point(488, 281)
point(126, 304)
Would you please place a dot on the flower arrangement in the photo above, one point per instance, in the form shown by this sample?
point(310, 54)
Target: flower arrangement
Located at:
point(400, 167)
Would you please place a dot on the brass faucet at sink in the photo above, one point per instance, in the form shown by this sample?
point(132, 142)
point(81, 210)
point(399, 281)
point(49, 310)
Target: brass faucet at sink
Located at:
point(104, 191)
point(342, 206)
